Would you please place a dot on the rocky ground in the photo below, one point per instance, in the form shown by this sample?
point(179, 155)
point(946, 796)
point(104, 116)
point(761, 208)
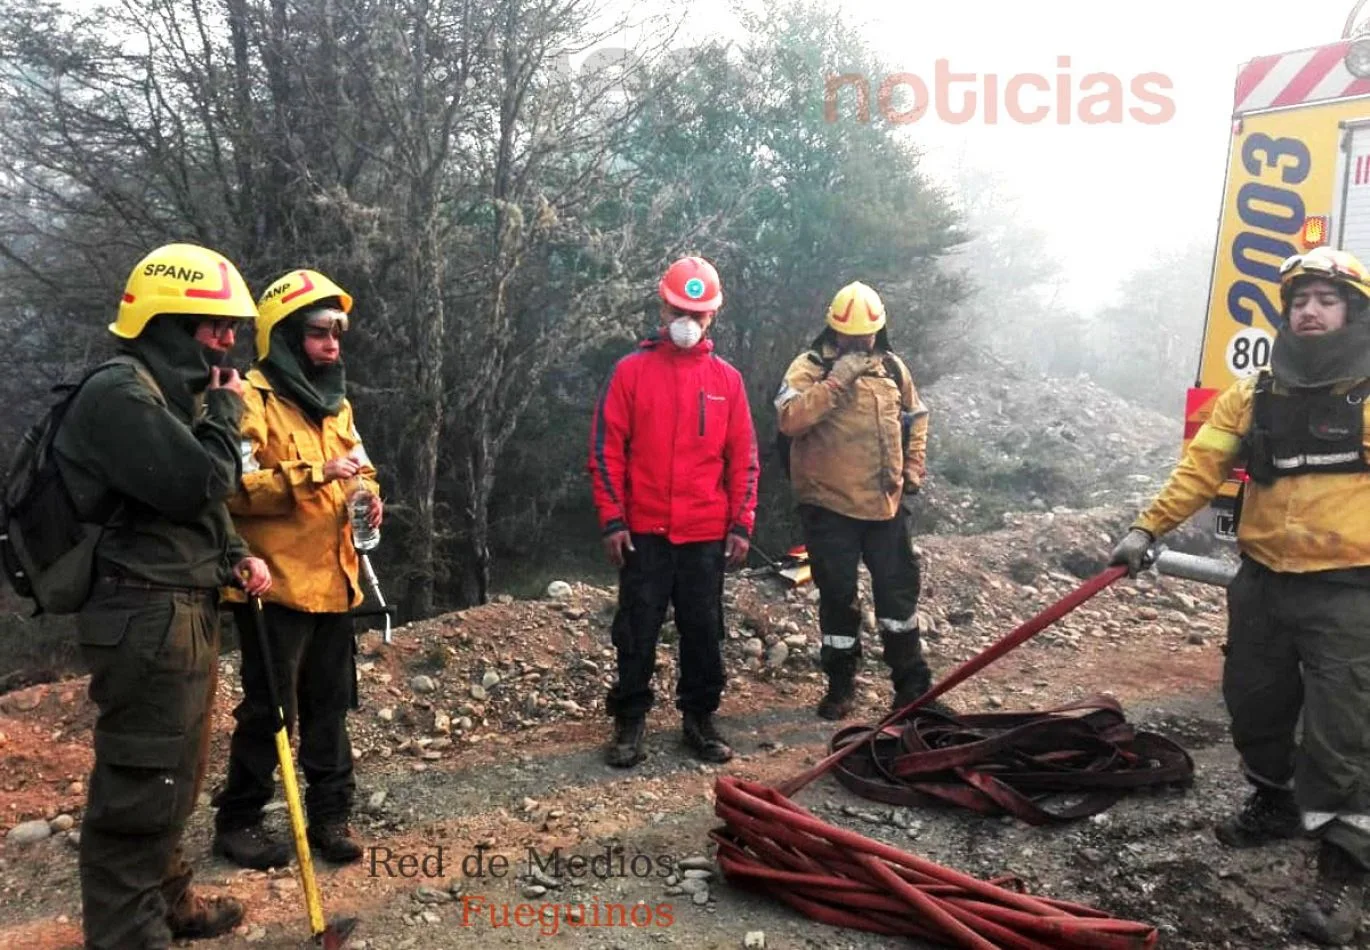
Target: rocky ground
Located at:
point(478, 738)
point(1011, 441)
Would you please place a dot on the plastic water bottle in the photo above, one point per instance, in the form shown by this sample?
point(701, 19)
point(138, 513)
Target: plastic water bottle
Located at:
point(364, 537)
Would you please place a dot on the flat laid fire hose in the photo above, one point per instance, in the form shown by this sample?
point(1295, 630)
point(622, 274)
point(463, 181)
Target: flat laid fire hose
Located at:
point(842, 878)
point(996, 763)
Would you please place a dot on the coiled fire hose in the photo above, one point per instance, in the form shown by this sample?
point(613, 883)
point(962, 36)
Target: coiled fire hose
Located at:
point(842, 878)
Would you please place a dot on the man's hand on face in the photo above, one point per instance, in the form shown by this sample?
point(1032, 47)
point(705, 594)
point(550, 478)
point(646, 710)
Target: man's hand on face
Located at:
point(849, 367)
point(618, 546)
point(226, 378)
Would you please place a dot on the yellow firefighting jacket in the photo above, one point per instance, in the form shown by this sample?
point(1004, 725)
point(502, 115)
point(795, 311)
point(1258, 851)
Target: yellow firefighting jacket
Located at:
point(1310, 522)
point(848, 453)
point(284, 510)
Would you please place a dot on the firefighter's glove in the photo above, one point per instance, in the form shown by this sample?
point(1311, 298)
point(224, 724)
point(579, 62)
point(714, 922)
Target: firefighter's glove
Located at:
point(1131, 550)
point(846, 370)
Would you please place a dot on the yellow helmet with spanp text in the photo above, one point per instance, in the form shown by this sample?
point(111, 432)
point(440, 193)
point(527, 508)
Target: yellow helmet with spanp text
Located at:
point(182, 279)
point(290, 294)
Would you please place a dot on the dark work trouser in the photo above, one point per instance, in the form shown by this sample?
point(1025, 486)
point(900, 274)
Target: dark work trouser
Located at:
point(314, 660)
point(690, 578)
point(837, 545)
point(153, 657)
point(1301, 643)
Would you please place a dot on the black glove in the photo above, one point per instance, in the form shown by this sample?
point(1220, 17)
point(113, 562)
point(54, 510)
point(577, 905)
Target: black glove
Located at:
point(906, 499)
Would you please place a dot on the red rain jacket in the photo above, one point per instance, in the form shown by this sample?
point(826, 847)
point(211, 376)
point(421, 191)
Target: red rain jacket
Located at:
point(672, 446)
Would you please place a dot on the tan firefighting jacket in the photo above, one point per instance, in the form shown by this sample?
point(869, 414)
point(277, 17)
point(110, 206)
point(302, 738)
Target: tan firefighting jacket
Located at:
point(284, 510)
point(1310, 522)
point(848, 453)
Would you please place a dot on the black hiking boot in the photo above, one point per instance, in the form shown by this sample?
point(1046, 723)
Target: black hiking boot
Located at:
point(909, 671)
point(333, 840)
point(200, 918)
point(702, 736)
point(903, 698)
point(625, 750)
point(840, 699)
point(1332, 913)
point(1269, 815)
point(252, 847)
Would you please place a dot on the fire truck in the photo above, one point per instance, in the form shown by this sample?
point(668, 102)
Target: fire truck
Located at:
point(1298, 176)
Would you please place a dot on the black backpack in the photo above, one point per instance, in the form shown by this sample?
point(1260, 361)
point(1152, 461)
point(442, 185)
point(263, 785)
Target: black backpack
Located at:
point(47, 549)
point(782, 441)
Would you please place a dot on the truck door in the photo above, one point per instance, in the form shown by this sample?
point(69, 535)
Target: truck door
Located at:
point(1352, 201)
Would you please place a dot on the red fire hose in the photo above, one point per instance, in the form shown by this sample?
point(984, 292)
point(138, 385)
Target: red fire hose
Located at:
point(841, 878)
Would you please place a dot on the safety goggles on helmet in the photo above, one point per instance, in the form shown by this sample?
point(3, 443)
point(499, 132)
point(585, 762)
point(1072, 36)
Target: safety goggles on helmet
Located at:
point(325, 323)
point(1321, 262)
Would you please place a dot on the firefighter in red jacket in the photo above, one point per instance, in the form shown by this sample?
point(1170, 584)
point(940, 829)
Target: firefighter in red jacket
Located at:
point(673, 467)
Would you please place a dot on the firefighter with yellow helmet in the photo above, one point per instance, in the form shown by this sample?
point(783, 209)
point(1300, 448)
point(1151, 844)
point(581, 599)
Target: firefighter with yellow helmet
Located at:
point(149, 447)
point(857, 433)
point(1298, 639)
point(302, 460)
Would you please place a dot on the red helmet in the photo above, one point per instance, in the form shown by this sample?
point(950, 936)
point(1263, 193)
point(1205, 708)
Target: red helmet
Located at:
point(692, 284)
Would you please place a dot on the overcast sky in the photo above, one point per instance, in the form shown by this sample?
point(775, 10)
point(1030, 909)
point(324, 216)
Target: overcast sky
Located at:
point(1109, 196)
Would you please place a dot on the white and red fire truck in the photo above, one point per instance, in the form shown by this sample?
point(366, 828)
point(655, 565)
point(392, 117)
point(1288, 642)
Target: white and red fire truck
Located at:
point(1298, 176)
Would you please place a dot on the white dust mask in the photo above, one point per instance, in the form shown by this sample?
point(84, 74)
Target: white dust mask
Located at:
point(685, 332)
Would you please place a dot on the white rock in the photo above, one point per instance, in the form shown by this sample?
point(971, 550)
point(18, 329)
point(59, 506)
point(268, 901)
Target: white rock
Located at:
point(29, 832)
point(422, 684)
point(755, 938)
point(777, 655)
point(558, 589)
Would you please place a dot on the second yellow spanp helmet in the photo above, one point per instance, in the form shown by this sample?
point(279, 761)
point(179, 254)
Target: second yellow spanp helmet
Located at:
point(856, 310)
point(290, 293)
point(182, 279)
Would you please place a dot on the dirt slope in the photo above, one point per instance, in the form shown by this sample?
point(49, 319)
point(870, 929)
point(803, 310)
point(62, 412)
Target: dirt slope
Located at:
point(499, 746)
point(479, 733)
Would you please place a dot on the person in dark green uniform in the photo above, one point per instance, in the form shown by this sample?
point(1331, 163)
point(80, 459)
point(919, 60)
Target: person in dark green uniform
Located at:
point(157, 444)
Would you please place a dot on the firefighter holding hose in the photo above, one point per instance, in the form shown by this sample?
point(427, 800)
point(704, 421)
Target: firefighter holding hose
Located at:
point(1299, 606)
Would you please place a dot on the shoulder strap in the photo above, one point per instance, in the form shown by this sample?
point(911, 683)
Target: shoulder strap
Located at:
point(893, 367)
point(1260, 401)
point(124, 359)
point(817, 359)
point(1358, 392)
